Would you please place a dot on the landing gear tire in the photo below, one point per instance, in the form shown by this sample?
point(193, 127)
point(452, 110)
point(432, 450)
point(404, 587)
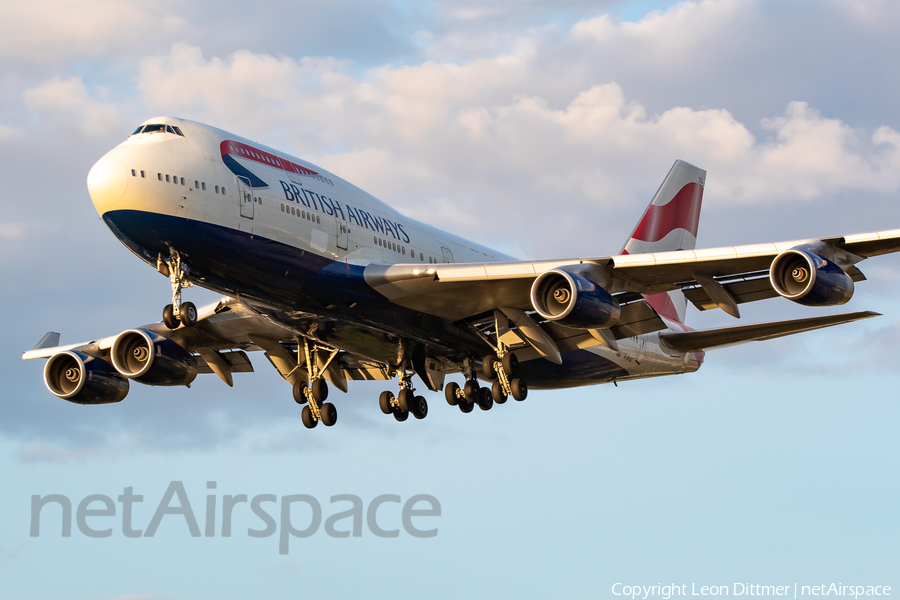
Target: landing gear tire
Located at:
point(169, 317)
point(329, 414)
point(450, 393)
point(401, 415)
point(188, 314)
point(299, 392)
point(466, 406)
point(510, 364)
point(519, 389)
point(384, 402)
point(487, 365)
point(485, 401)
point(497, 393)
point(471, 391)
point(319, 390)
point(419, 407)
point(307, 417)
point(405, 399)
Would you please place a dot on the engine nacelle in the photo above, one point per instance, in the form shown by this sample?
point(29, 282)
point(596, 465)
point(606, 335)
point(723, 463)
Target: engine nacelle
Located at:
point(153, 359)
point(807, 278)
point(84, 379)
point(572, 300)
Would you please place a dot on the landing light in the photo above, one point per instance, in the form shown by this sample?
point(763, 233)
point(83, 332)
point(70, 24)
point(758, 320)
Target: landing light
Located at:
point(430, 271)
point(415, 271)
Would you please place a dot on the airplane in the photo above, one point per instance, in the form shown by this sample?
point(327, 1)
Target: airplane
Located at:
point(333, 285)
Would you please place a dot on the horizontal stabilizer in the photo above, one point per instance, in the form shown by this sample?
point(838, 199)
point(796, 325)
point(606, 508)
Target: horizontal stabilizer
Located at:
point(710, 339)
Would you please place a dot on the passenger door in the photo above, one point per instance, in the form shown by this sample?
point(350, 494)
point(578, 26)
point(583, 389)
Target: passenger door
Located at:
point(448, 256)
point(342, 234)
point(245, 197)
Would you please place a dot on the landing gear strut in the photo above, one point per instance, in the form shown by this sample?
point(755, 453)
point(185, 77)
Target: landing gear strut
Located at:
point(406, 402)
point(503, 371)
point(471, 394)
point(177, 312)
point(314, 394)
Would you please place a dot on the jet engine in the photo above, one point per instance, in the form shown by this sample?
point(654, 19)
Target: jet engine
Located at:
point(153, 359)
point(572, 300)
point(807, 278)
point(84, 379)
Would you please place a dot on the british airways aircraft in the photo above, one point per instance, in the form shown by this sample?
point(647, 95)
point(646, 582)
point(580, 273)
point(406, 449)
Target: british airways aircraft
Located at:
point(333, 285)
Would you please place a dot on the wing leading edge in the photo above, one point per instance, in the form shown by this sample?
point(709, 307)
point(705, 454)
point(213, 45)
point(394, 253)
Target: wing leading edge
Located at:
point(459, 291)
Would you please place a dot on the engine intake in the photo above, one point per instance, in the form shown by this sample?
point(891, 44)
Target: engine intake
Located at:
point(572, 300)
point(83, 379)
point(153, 359)
point(809, 279)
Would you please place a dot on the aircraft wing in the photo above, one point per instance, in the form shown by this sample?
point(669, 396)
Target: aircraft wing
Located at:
point(460, 291)
point(224, 332)
point(711, 339)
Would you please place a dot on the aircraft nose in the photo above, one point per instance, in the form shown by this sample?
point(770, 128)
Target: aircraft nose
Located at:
point(107, 182)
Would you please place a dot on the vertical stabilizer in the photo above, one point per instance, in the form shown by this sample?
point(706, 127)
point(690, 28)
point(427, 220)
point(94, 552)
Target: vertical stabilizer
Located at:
point(670, 223)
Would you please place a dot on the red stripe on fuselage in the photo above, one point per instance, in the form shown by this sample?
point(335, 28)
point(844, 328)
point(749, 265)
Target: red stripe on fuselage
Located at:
point(681, 212)
point(262, 157)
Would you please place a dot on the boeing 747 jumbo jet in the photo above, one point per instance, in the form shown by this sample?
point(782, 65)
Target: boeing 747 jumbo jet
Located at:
point(333, 285)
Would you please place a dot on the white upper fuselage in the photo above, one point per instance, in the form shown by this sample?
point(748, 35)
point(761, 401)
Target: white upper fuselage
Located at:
point(301, 204)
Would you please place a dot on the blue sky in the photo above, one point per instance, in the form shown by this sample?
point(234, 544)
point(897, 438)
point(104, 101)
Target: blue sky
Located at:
point(776, 463)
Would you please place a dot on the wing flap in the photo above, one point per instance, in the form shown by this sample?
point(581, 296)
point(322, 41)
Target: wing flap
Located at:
point(690, 341)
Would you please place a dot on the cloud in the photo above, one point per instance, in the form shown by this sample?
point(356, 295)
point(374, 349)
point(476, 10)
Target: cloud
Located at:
point(435, 138)
point(67, 104)
point(543, 136)
point(42, 31)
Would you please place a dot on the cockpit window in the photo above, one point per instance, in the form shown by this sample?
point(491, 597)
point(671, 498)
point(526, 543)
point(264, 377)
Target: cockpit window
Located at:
point(158, 128)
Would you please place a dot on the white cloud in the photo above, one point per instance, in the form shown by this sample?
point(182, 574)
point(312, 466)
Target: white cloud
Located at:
point(67, 103)
point(425, 134)
point(40, 31)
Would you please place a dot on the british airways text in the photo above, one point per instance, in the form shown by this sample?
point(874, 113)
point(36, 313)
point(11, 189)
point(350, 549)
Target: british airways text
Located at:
point(332, 207)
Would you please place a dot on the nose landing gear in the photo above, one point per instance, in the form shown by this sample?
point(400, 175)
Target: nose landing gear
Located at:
point(177, 312)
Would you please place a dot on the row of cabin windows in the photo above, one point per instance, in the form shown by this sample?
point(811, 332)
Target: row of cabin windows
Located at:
point(401, 249)
point(198, 185)
point(300, 213)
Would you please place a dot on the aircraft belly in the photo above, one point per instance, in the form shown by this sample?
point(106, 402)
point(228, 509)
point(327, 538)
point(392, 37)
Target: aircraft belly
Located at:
point(293, 286)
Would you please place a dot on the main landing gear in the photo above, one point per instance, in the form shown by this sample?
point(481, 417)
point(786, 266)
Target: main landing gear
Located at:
point(406, 402)
point(504, 385)
point(314, 393)
point(183, 313)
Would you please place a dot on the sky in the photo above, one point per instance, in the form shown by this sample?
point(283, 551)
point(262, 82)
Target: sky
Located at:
point(541, 129)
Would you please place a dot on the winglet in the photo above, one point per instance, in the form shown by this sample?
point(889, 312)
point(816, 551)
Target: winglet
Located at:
point(50, 339)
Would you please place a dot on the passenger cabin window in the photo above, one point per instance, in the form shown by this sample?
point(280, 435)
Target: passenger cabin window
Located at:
point(203, 186)
point(159, 176)
point(217, 189)
point(196, 184)
point(182, 181)
point(133, 174)
point(143, 174)
point(167, 179)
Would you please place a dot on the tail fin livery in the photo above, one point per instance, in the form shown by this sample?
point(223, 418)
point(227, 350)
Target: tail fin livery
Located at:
point(670, 223)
